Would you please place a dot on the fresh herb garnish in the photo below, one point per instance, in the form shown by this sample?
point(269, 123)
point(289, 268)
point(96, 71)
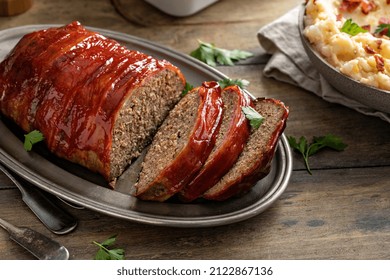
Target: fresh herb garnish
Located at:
point(229, 82)
point(255, 119)
point(186, 89)
point(352, 28)
point(32, 138)
point(383, 29)
point(318, 143)
point(211, 55)
point(105, 253)
point(222, 83)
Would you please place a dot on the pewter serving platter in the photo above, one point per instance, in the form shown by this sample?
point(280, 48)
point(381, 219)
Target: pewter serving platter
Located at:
point(77, 185)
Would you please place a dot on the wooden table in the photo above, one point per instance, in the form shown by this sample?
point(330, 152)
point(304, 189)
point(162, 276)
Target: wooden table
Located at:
point(342, 211)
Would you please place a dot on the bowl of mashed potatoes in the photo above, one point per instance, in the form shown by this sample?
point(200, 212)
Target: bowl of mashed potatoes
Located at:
point(348, 41)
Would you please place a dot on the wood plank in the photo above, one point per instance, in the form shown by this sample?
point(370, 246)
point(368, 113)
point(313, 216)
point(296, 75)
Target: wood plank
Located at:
point(145, 14)
point(182, 39)
point(227, 32)
point(14, 7)
point(336, 214)
point(103, 13)
point(5, 182)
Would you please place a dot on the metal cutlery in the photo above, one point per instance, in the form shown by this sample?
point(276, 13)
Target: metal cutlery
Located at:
point(41, 246)
point(44, 205)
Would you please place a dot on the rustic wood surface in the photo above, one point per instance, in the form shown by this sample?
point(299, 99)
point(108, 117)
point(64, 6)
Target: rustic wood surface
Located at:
point(342, 211)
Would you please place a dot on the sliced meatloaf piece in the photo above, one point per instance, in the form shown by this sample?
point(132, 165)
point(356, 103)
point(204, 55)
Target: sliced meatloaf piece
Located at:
point(231, 139)
point(96, 102)
point(182, 144)
point(255, 161)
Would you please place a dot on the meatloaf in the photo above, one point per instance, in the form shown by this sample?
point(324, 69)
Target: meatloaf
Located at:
point(182, 144)
point(255, 160)
point(96, 102)
point(231, 139)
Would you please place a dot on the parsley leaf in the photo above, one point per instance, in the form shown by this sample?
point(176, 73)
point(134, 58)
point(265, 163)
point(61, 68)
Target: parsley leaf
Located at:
point(318, 143)
point(211, 55)
point(104, 253)
point(188, 87)
point(255, 119)
point(383, 29)
point(352, 28)
point(222, 83)
point(32, 138)
point(229, 82)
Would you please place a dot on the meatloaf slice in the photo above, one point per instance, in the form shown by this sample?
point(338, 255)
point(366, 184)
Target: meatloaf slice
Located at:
point(231, 139)
point(96, 102)
point(141, 115)
point(255, 161)
point(182, 144)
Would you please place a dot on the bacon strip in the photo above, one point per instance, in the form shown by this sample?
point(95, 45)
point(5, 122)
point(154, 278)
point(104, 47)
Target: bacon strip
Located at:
point(368, 6)
point(349, 5)
point(369, 50)
point(380, 63)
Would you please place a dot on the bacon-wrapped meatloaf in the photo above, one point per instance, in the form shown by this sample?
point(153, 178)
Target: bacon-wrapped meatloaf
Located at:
point(96, 102)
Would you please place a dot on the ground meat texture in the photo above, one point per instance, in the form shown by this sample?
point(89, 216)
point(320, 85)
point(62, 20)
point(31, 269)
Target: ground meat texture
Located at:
point(255, 160)
point(96, 102)
point(182, 144)
point(140, 117)
point(170, 140)
point(231, 139)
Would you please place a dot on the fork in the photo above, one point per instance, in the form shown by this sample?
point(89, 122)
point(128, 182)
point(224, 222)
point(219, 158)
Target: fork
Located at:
point(44, 206)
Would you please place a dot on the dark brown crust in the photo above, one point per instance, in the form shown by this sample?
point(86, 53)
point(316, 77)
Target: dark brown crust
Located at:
point(259, 169)
point(181, 170)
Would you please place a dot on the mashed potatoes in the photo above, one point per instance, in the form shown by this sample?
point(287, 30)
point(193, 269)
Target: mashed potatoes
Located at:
point(365, 56)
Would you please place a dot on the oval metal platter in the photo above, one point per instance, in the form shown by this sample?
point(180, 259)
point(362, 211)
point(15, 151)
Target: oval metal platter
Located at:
point(79, 186)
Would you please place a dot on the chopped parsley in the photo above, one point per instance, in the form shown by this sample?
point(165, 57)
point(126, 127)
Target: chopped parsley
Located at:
point(188, 87)
point(383, 29)
point(318, 143)
point(230, 82)
point(32, 138)
point(352, 28)
point(105, 253)
point(222, 83)
point(255, 119)
point(211, 55)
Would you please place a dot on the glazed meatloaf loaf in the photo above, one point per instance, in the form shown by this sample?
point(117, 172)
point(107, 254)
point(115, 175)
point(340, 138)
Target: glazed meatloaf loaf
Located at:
point(255, 161)
point(231, 139)
point(96, 102)
point(182, 144)
point(240, 157)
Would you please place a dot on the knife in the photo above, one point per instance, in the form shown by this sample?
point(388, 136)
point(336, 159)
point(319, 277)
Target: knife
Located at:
point(41, 246)
point(44, 205)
